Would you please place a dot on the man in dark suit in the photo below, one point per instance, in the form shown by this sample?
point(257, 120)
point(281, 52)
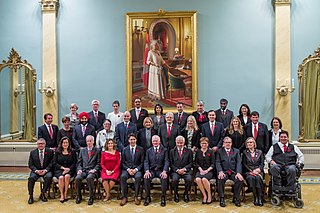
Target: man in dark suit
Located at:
point(49, 132)
point(224, 115)
point(156, 165)
point(200, 115)
point(132, 158)
point(180, 118)
point(138, 114)
point(214, 131)
point(123, 130)
point(181, 165)
point(228, 165)
point(168, 132)
point(88, 167)
point(259, 131)
point(40, 163)
point(81, 131)
point(96, 117)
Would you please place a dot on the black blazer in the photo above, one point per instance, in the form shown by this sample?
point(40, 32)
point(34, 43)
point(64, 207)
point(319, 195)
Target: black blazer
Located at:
point(34, 160)
point(44, 133)
point(262, 139)
point(85, 163)
point(250, 163)
point(126, 159)
point(242, 121)
point(270, 137)
point(185, 161)
point(225, 162)
point(98, 125)
point(216, 139)
point(224, 119)
point(156, 161)
point(142, 116)
point(195, 141)
point(183, 120)
point(201, 120)
point(156, 124)
point(168, 142)
point(238, 140)
point(122, 133)
point(204, 162)
point(142, 140)
point(79, 140)
point(59, 161)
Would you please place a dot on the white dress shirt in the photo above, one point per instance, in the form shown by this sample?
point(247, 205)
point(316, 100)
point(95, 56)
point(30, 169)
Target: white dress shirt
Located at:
point(296, 149)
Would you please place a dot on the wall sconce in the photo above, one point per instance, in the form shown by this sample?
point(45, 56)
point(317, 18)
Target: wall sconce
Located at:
point(283, 89)
point(139, 26)
point(47, 90)
point(19, 90)
point(187, 37)
point(176, 50)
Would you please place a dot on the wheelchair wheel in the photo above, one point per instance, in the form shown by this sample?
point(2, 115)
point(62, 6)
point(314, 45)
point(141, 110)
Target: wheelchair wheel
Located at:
point(275, 201)
point(298, 203)
point(299, 190)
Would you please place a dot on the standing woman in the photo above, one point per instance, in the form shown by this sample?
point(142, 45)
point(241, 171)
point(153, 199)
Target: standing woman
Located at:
point(66, 131)
point(145, 134)
point(65, 160)
point(237, 134)
point(204, 162)
point(158, 118)
point(191, 134)
point(244, 114)
point(110, 164)
point(253, 164)
point(116, 116)
point(274, 132)
point(104, 134)
point(73, 115)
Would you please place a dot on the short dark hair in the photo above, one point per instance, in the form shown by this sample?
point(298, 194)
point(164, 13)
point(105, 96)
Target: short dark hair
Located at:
point(278, 119)
point(46, 115)
point(284, 132)
point(211, 110)
point(254, 113)
point(223, 100)
point(116, 102)
point(179, 102)
point(132, 135)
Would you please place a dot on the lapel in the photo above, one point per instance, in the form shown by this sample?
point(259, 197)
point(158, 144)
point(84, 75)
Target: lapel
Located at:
point(46, 130)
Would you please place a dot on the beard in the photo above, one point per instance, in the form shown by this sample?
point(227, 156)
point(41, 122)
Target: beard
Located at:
point(84, 122)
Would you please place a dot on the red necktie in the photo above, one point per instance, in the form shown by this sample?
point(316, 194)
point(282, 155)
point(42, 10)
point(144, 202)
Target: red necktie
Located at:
point(212, 129)
point(179, 118)
point(89, 153)
point(50, 131)
point(169, 131)
point(255, 132)
point(284, 148)
point(180, 153)
point(228, 153)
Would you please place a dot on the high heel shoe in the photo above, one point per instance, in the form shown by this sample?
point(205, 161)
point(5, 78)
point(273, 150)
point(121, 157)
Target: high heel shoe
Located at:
point(62, 201)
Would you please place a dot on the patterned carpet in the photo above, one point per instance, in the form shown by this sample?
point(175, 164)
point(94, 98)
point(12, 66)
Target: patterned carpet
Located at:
point(14, 195)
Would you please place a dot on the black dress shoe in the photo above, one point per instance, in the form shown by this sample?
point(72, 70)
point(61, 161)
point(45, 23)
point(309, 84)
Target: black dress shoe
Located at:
point(90, 201)
point(222, 203)
point(43, 197)
point(147, 201)
point(186, 198)
point(30, 201)
point(176, 198)
point(78, 200)
point(237, 202)
point(163, 201)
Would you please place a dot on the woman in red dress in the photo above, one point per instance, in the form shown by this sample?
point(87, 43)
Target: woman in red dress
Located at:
point(110, 164)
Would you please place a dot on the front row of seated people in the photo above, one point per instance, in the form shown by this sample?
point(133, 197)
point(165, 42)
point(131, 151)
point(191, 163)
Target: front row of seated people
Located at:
point(158, 162)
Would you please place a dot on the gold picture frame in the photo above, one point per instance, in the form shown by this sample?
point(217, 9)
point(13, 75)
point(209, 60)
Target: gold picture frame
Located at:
point(175, 80)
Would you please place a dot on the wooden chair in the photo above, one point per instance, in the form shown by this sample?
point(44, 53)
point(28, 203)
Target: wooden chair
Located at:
point(176, 84)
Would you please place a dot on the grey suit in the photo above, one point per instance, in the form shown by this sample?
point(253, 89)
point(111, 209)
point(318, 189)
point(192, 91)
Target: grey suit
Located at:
point(224, 119)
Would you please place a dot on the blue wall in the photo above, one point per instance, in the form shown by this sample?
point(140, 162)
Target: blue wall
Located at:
point(235, 46)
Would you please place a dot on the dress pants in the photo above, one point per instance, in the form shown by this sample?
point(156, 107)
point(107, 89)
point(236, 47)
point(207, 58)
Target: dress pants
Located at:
point(90, 182)
point(275, 171)
point(124, 186)
point(237, 185)
point(175, 181)
point(147, 183)
point(34, 177)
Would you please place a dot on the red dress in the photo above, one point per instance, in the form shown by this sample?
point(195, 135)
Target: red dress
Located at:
point(110, 162)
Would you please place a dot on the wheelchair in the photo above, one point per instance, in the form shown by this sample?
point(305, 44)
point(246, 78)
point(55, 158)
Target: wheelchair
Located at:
point(283, 192)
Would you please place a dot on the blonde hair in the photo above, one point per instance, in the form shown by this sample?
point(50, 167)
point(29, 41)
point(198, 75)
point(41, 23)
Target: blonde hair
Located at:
point(147, 119)
point(254, 142)
point(231, 127)
point(195, 125)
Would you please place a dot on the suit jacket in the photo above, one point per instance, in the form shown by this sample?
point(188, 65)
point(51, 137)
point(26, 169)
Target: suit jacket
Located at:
point(262, 139)
point(216, 139)
point(195, 141)
point(231, 162)
point(122, 133)
point(85, 163)
point(78, 139)
point(201, 119)
point(242, 121)
point(34, 160)
point(156, 161)
point(142, 116)
point(142, 138)
point(128, 163)
point(183, 120)
point(156, 124)
point(185, 161)
point(207, 161)
point(166, 141)
point(44, 133)
point(250, 163)
point(224, 119)
point(98, 125)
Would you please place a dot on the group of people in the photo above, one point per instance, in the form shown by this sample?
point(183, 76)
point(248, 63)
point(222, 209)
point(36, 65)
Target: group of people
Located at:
point(200, 147)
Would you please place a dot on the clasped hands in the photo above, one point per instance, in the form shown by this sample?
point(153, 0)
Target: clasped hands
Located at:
point(132, 171)
point(148, 174)
point(181, 171)
point(203, 172)
point(65, 170)
point(222, 175)
point(41, 172)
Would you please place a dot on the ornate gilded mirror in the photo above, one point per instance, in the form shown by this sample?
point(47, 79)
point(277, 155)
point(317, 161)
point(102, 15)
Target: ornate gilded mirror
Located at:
point(17, 99)
point(309, 98)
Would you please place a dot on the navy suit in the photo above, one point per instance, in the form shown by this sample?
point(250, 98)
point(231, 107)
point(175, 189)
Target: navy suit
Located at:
point(139, 121)
point(262, 139)
point(216, 139)
point(166, 141)
point(98, 125)
point(78, 139)
point(122, 133)
point(128, 162)
point(224, 119)
point(44, 133)
point(156, 163)
point(183, 120)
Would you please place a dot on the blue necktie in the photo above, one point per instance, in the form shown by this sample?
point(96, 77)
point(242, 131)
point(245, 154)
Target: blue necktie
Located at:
point(132, 153)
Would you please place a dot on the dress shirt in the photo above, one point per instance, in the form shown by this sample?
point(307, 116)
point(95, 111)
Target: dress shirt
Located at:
point(275, 137)
point(253, 125)
point(296, 149)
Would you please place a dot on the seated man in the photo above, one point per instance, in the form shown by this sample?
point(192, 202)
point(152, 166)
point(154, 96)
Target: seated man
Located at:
point(132, 164)
point(156, 164)
point(88, 166)
point(228, 164)
point(40, 163)
point(284, 155)
point(181, 165)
